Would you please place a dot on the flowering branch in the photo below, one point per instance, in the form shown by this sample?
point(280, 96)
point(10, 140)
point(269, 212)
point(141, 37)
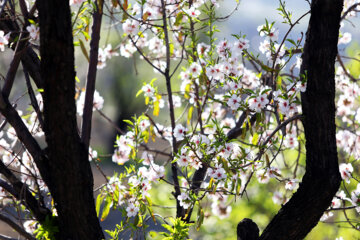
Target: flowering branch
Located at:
point(179, 209)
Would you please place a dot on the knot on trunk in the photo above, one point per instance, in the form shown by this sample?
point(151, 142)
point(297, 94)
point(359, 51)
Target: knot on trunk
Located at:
point(247, 230)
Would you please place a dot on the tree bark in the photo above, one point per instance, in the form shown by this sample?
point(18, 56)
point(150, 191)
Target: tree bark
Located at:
point(247, 230)
point(322, 178)
point(71, 180)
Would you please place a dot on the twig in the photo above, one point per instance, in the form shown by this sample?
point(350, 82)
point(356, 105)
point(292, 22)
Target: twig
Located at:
point(349, 10)
point(110, 121)
point(345, 70)
point(33, 98)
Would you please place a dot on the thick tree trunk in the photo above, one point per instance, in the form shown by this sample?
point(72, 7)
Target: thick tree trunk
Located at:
point(322, 179)
point(71, 180)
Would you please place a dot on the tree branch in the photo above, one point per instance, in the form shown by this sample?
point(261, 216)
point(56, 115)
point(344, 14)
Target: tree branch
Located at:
point(10, 76)
point(32, 96)
point(21, 192)
point(322, 178)
point(180, 212)
point(3, 237)
point(91, 77)
point(22, 132)
point(16, 227)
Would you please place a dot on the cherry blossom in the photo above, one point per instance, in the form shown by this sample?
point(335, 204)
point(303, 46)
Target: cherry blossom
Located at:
point(184, 200)
point(121, 156)
point(130, 26)
point(98, 102)
point(234, 102)
point(76, 2)
point(4, 40)
point(345, 39)
point(34, 32)
point(195, 69)
point(193, 12)
point(240, 45)
point(345, 170)
point(132, 210)
point(291, 184)
point(179, 132)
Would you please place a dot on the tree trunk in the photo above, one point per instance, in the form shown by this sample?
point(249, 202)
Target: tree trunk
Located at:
point(322, 178)
point(71, 180)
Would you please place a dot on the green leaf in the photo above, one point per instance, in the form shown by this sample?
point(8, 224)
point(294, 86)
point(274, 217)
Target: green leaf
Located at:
point(156, 108)
point(190, 115)
point(106, 209)
point(179, 18)
point(139, 92)
point(83, 49)
point(99, 200)
point(255, 139)
point(200, 218)
point(129, 122)
point(291, 41)
point(153, 234)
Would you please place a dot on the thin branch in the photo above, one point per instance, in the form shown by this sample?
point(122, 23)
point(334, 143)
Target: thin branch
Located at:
point(280, 126)
point(33, 98)
point(3, 237)
point(10, 76)
point(7, 187)
point(145, 58)
point(110, 121)
point(21, 192)
point(179, 209)
point(91, 77)
point(350, 9)
point(22, 132)
point(16, 227)
point(345, 70)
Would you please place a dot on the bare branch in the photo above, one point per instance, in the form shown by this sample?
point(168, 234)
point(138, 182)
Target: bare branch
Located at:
point(10, 76)
point(16, 227)
point(91, 77)
point(33, 98)
point(3, 237)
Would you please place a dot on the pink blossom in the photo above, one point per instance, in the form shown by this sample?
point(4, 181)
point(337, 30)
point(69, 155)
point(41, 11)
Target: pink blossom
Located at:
point(234, 102)
point(132, 210)
point(179, 132)
point(130, 26)
point(345, 170)
point(4, 40)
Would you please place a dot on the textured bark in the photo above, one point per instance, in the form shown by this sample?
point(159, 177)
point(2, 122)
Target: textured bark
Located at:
point(322, 178)
point(71, 180)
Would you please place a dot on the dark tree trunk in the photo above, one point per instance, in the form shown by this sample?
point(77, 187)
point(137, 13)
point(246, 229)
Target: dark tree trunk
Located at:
point(71, 180)
point(322, 178)
point(247, 230)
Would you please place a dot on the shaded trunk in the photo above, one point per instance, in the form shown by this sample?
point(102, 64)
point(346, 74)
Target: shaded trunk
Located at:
point(322, 178)
point(71, 180)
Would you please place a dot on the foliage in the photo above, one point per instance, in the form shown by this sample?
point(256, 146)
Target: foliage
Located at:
point(230, 129)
